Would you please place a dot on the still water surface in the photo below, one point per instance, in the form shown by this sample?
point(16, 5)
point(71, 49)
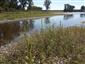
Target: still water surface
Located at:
point(13, 30)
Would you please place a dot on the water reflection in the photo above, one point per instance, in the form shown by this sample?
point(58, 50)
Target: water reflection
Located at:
point(47, 20)
point(66, 17)
point(9, 31)
point(31, 24)
point(12, 30)
point(82, 15)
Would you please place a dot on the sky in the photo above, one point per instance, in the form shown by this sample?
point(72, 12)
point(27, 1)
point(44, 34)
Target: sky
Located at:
point(59, 4)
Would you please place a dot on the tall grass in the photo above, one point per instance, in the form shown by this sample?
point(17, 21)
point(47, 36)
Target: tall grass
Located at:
point(53, 46)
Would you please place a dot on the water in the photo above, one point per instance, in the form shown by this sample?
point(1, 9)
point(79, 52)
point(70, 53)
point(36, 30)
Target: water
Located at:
point(14, 30)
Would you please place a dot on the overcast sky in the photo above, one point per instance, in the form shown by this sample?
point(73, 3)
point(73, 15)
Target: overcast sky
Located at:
point(59, 4)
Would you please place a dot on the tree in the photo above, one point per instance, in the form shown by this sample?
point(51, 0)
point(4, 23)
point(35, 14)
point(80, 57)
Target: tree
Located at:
point(4, 3)
point(26, 2)
point(30, 4)
point(8, 5)
point(13, 4)
point(68, 8)
point(47, 4)
point(23, 3)
point(82, 8)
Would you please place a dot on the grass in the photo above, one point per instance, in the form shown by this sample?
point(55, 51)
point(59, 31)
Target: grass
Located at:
point(52, 46)
point(18, 15)
point(23, 14)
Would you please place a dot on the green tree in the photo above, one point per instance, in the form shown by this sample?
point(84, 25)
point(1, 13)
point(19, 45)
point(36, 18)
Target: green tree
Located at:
point(13, 4)
point(26, 2)
point(82, 8)
point(47, 4)
point(8, 4)
point(3, 3)
point(30, 4)
point(68, 7)
point(23, 2)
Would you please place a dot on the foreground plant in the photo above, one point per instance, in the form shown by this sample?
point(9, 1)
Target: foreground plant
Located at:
point(54, 46)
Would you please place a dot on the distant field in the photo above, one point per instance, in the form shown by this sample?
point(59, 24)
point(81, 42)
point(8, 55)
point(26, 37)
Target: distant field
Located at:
point(25, 14)
point(17, 15)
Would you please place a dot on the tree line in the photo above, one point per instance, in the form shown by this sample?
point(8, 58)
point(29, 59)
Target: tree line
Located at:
point(70, 8)
point(8, 5)
point(12, 5)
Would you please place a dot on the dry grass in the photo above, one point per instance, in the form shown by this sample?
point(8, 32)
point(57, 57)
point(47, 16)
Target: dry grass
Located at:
point(53, 46)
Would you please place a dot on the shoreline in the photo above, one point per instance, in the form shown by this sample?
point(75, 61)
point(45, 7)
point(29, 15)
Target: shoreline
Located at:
point(37, 17)
point(5, 48)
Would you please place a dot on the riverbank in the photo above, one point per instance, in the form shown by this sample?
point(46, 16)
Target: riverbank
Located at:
point(17, 16)
point(52, 46)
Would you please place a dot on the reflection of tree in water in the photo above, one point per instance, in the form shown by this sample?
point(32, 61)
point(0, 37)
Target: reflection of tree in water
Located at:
point(82, 15)
point(27, 25)
point(31, 24)
point(66, 17)
point(8, 31)
point(47, 20)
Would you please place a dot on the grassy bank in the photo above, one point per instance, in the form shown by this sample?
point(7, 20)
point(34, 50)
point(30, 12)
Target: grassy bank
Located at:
point(53, 46)
point(25, 14)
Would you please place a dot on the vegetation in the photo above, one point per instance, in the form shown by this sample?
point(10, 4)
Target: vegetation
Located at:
point(47, 4)
point(8, 5)
point(68, 8)
point(61, 45)
point(53, 46)
point(26, 14)
point(17, 9)
point(82, 8)
point(12, 5)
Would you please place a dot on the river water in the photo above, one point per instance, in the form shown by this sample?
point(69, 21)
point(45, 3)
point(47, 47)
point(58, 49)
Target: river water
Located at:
point(10, 31)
